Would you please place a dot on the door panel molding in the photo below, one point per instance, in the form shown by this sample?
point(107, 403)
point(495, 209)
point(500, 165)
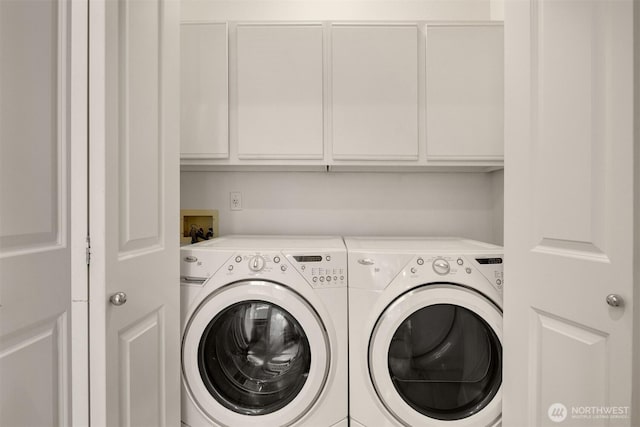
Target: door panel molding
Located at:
point(571, 134)
point(141, 164)
point(572, 249)
point(38, 347)
point(34, 216)
point(553, 335)
point(136, 405)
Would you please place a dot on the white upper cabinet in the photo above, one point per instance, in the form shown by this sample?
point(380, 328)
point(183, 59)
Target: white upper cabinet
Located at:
point(342, 95)
point(374, 96)
point(204, 130)
point(280, 91)
point(464, 92)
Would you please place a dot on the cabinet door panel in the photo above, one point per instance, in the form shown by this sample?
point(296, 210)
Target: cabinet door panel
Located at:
point(375, 92)
point(204, 127)
point(279, 91)
point(464, 70)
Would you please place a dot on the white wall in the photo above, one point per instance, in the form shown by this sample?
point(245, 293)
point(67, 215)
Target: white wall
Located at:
point(404, 204)
point(338, 10)
point(497, 197)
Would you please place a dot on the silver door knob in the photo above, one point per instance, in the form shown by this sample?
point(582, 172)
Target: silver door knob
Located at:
point(118, 298)
point(614, 300)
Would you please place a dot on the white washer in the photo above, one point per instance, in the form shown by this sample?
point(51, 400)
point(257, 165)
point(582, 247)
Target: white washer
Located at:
point(425, 332)
point(264, 339)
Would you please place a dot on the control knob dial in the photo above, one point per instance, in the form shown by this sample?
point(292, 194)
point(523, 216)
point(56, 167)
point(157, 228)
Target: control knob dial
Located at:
point(256, 263)
point(441, 266)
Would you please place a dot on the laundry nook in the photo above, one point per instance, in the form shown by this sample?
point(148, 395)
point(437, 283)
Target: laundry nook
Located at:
point(319, 213)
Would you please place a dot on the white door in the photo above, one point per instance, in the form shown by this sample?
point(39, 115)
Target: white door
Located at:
point(134, 172)
point(42, 211)
point(569, 212)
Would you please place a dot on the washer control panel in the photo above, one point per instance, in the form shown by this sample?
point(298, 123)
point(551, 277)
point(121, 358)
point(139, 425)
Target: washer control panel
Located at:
point(254, 263)
point(321, 270)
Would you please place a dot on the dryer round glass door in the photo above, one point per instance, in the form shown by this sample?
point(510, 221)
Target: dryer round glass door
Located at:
point(438, 349)
point(255, 351)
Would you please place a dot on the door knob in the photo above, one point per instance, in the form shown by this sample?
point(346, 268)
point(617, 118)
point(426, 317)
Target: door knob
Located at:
point(614, 300)
point(118, 298)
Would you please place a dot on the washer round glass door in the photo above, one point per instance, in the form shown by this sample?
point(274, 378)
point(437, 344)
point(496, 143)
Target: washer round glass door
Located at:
point(255, 349)
point(436, 355)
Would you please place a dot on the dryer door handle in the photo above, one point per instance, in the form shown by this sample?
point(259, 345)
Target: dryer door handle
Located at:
point(366, 261)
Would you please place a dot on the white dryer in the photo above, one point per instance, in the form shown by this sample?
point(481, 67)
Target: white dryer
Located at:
point(264, 332)
point(425, 332)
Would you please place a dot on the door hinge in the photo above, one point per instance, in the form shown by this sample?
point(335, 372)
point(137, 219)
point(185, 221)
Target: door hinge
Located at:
point(88, 250)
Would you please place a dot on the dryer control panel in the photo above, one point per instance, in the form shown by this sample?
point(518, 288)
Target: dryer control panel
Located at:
point(491, 268)
point(460, 266)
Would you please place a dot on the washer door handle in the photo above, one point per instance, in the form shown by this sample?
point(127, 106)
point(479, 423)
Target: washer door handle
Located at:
point(366, 261)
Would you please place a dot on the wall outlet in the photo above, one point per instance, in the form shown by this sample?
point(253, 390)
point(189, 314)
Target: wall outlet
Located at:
point(235, 201)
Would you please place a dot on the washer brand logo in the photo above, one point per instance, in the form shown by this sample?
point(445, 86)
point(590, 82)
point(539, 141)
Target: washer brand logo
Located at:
point(557, 412)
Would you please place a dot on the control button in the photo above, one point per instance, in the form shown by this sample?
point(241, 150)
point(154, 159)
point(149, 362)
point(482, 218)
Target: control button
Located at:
point(420, 261)
point(303, 267)
point(315, 279)
point(276, 259)
point(322, 278)
point(328, 258)
point(413, 270)
point(256, 263)
point(468, 270)
point(231, 268)
point(441, 266)
point(341, 277)
point(283, 267)
point(335, 278)
point(460, 261)
point(498, 282)
point(238, 258)
point(328, 278)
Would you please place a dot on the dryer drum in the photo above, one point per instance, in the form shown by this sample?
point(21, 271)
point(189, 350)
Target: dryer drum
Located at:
point(445, 361)
point(254, 357)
